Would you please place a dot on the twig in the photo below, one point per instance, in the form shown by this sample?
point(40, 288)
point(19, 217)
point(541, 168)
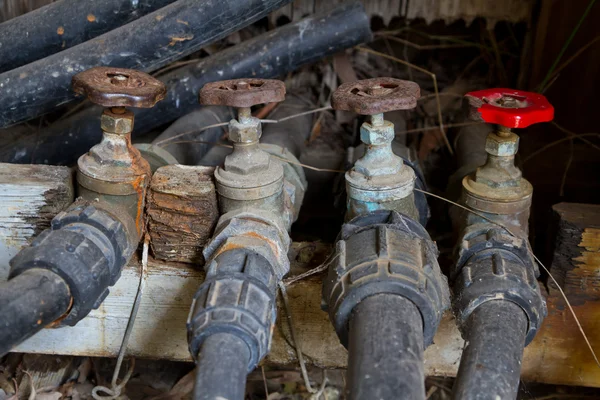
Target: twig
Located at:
point(188, 132)
point(286, 305)
point(427, 46)
point(262, 369)
point(435, 88)
point(433, 128)
point(575, 135)
point(561, 191)
point(569, 61)
point(567, 43)
point(115, 390)
point(552, 144)
point(289, 281)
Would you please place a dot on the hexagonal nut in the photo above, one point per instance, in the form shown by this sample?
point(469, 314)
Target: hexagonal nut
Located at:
point(502, 146)
point(247, 132)
point(117, 123)
point(377, 135)
point(241, 228)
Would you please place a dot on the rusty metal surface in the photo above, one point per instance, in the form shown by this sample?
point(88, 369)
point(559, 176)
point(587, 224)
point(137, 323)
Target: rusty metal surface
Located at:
point(375, 96)
point(119, 87)
point(242, 92)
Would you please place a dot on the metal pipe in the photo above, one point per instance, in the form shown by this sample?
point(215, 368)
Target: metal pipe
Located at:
point(385, 352)
point(491, 361)
point(29, 302)
point(222, 368)
point(146, 44)
point(64, 24)
point(271, 54)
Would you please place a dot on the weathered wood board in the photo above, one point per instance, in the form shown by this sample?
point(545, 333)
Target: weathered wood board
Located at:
point(30, 196)
point(182, 212)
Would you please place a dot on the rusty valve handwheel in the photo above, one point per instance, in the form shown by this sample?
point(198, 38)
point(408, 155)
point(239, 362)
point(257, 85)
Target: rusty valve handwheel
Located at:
point(509, 107)
point(119, 87)
point(242, 93)
point(376, 96)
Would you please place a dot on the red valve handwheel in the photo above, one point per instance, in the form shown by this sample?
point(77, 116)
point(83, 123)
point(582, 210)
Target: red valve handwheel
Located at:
point(509, 107)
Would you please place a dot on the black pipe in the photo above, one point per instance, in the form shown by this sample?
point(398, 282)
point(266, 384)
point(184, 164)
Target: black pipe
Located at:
point(188, 126)
point(385, 353)
point(491, 361)
point(269, 55)
point(64, 24)
point(222, 368)
point(29, 302)
point(146, 44)
point(292, 133)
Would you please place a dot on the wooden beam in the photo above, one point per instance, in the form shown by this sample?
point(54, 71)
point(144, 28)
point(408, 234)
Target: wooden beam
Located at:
point(30, 196)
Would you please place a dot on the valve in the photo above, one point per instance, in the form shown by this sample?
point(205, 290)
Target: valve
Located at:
point(249, 175)
point(498, 187)
point(113, 171)
point(379, 180)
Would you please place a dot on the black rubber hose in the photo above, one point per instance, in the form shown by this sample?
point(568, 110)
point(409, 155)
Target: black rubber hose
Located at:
point(293, 133)
point(146, 44)
point(385, 352)
point(490, 366)
point(269, 55)
point(198, 142)
point(222, 368)
point(64, 24)
point(29, 302)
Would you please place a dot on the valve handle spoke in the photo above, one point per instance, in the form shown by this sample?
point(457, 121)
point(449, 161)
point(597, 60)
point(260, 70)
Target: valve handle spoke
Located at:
point(242, 93)
point(510, 108)
point(119, 87)
point(376, 96)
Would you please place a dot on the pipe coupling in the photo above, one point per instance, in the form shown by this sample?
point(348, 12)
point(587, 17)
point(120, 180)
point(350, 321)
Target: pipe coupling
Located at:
point(495, 266)
point(87, 247)
point(238, 297)
point(385, 252)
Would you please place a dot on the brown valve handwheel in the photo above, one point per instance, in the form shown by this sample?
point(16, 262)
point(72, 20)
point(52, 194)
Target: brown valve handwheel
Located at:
point(242, 92)
point(119, 87)
point(376, 96)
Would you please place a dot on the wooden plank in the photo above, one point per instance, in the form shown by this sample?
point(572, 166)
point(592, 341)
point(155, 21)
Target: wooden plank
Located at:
point(30, 195)
point(182, 212)
point(561, 353)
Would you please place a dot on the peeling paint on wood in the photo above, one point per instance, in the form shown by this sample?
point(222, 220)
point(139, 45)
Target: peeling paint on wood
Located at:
point(30, 196)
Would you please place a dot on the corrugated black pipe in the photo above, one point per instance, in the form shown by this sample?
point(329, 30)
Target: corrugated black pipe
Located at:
point(490, 366)
point(385, 352)
point(269, 55)
point(64, 24)
point(29, 302)
point(146, 44)
point(222, 368)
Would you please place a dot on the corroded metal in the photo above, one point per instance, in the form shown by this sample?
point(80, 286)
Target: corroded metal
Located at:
point(242, 92)
point(119, 87)
point(379, 180)
point(113, 172)
point(376, 96)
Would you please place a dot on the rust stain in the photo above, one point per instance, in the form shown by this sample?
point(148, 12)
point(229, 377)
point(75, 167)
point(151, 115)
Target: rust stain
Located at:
point(182, 22)
point(91, 18)
point(159, 17)
point(177, 39)
point(60, 30)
